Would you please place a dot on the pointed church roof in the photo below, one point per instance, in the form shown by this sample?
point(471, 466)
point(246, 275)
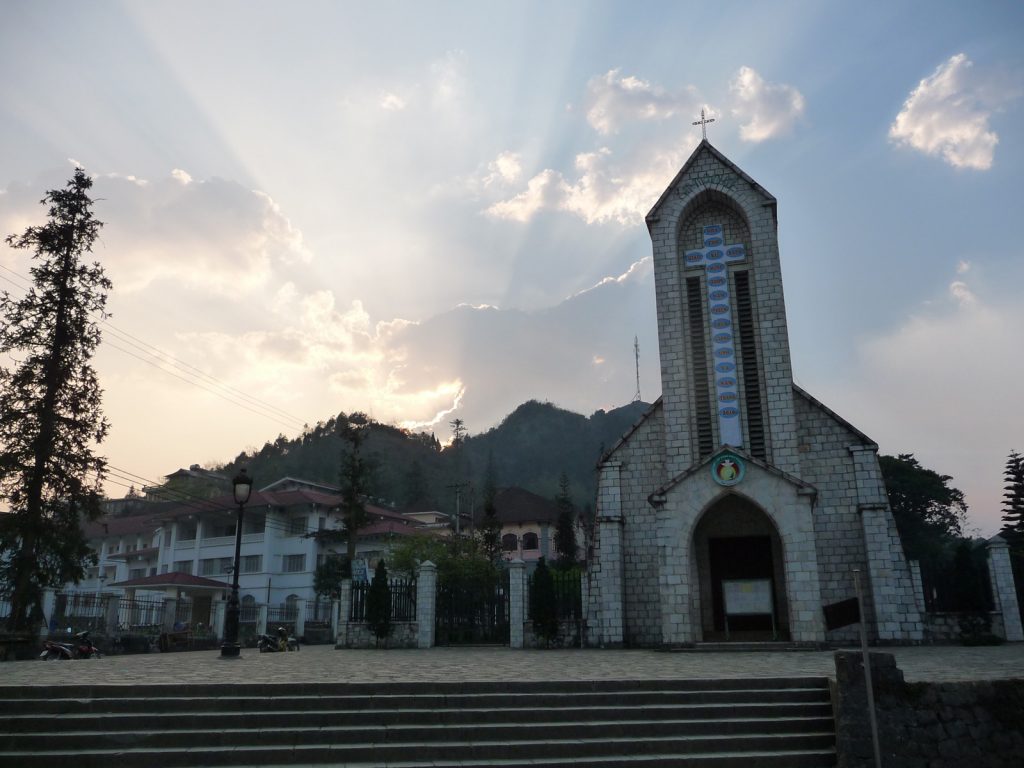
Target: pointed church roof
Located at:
point(706, 146)
point(818, 404)
point(801, 485)
point(629, 432)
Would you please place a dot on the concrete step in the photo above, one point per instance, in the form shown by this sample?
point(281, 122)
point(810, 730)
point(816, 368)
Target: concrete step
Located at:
point(174, 721)
point(720, 723)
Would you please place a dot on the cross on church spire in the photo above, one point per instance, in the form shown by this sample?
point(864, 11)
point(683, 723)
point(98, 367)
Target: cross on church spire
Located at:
point(703, 124)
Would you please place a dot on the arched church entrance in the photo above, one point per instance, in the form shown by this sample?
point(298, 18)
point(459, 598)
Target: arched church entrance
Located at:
point(740, 569)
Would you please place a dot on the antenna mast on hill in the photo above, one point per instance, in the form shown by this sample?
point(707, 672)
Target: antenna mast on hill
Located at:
point(636, 353)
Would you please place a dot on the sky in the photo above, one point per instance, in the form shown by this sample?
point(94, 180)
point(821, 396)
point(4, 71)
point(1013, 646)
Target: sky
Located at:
point(434, 211)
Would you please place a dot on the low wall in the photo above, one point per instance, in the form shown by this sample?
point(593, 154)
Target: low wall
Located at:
point(926, 725)
point(568, 636)
point(403, 635)
point(945, 627)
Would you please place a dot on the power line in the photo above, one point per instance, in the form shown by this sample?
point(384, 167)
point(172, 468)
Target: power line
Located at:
point(192, 374)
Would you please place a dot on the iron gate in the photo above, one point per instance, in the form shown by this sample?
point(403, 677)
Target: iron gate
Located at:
point(473, 612)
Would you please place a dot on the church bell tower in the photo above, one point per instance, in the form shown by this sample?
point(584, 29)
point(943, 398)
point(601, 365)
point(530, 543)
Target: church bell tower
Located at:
point(725, 362)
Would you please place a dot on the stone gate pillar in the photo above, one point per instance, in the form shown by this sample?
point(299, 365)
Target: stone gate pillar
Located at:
point(609, 576)
point(426, 603)
point(1004, 591)
point(516, 603)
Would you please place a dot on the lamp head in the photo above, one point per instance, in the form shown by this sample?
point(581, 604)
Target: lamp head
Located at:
point(243, 487)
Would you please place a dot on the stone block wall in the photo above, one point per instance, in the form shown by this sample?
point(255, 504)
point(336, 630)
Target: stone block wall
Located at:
point(926, 725)
point(403, 635)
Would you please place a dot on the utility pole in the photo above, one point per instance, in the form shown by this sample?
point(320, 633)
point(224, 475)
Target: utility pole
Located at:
point(458, 500)
point(636, 353)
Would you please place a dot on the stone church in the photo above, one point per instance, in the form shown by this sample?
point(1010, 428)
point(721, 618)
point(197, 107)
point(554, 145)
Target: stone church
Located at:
point(738, 506)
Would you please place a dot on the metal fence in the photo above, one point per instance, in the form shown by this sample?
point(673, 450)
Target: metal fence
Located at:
point(80, 611)
point(568, 595)
point(140, 616)
point(318, 613)
point(403, 600)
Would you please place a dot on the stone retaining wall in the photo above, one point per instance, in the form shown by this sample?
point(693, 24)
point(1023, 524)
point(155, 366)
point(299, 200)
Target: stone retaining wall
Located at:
point(926, 725)
point(359, 635)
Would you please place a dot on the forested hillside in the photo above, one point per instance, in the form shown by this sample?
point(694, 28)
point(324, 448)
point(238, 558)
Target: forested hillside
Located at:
point(530, 448)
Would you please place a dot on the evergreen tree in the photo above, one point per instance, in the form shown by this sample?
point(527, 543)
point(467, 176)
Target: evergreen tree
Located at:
point(50, 416)
point(928, 512)
point(378, 603)
point(356, 474)
point(328, 576)
point(490, 526)
point(565, 527)
point(543, 607)
point(458, 432)
point(1013, 498)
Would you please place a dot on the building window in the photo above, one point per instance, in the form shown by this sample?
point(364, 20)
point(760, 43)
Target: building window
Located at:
point(254, 523)
point(216, 529)
point(297, 526)
point(294, 563)
point(136, 573)
point(530, 541)
point(252, 563)
point(163, 568)
point(183, 566)
point(186, 531)
point(509, 543)
point(214, 566)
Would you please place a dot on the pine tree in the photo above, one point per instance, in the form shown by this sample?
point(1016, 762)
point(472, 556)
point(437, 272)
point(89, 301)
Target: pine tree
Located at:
point(356, 474)
point(490, 526)
point(543, 606)
point(378, 603)
point(1013, 498)
point(50, 416)
point(565, 527)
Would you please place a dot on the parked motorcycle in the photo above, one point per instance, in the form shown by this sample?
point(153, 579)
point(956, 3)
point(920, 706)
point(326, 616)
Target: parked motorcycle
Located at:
point(275, 643)
point(80, 648)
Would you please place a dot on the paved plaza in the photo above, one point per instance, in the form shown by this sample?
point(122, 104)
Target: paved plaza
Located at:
point(325, 664)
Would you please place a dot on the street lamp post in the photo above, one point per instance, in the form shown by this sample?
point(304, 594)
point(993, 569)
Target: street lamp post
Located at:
point(230, 648)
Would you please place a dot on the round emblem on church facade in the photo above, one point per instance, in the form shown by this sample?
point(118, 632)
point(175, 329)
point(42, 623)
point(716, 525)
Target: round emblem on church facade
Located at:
point(718, 295)
point(725, 367)
point(721, 322)
point(713, 242)
point(715, 254)
point(716, 281)
point(712, 229)
point(716, 266)
point(728, 469)
point(735, 251)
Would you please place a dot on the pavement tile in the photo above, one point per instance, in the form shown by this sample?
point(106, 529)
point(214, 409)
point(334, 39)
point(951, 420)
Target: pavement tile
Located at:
point(316, 664)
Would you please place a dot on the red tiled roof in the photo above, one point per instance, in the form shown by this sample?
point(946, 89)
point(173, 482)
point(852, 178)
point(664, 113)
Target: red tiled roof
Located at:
point(393, 527)
point(126, 525)
point(174, 579)
point(518, 505)
point(226, 503)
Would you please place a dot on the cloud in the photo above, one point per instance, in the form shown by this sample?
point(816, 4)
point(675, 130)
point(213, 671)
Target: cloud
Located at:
point(765, 110)
point(448, 78)
point(392, 102)
point(943, 386)
point(212, 236)
point(604, 191)
point(506, 168)
point(948, 114)
point(478, 360)
point(614, 99)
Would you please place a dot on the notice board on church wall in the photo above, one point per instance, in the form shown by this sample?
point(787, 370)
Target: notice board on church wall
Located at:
point(747, 597)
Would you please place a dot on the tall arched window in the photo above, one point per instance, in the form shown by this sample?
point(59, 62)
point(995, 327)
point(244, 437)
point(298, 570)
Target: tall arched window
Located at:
point(509, 543)
point(530, 541)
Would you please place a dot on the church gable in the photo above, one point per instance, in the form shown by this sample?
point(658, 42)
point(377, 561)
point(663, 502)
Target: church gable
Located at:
point(810, 409)
point(708, 169)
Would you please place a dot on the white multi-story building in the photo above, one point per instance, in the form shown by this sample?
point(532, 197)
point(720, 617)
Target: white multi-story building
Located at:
point(187, 549)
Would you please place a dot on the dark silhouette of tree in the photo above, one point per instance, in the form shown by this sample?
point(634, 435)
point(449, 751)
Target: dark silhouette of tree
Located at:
point(565, 526)
point(1013, 499)
point(378, 603)
point(543, 608)
point(490, 526)
point(328, 576)
point(50, 415)
point(416, 489)
point(356, 475)
point(458, 431)
point(928, 512)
